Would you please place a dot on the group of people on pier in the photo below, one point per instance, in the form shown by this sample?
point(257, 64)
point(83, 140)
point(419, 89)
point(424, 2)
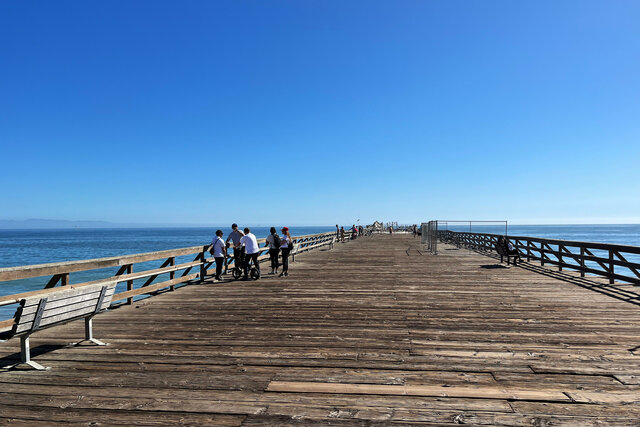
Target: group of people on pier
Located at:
point(246, 250)
point(355, 232)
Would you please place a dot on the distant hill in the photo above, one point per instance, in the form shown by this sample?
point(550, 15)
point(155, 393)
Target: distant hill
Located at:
point(54, 223)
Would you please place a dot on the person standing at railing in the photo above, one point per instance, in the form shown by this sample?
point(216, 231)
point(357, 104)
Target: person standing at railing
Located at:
point(342, 234)
point(286, 247)
point(337, 232)
point(238, 249)
point(273, 241)
point(219, 252)
point(252, 251)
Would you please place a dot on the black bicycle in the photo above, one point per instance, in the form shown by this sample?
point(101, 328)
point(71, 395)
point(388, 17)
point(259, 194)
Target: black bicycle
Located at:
point(238, 271)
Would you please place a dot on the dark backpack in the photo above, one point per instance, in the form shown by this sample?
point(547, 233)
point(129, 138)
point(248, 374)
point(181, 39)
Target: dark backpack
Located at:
point(276, 241)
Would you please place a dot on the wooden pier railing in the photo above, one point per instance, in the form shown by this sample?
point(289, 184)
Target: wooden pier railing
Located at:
point(614, 262)
point(174, 270)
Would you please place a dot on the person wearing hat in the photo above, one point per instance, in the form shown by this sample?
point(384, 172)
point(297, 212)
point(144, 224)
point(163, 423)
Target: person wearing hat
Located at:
point(286, 245)
point(238, 249)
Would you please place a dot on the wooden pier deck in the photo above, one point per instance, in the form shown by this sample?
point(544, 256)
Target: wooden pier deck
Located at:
point(370, 332)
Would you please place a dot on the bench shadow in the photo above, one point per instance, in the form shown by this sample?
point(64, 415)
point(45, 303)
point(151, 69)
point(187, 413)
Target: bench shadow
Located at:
point(14, 358)
point(613, 291)
point(493, 266)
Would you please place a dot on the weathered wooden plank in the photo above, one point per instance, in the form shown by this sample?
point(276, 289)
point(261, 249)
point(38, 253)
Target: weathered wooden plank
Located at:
point(32, 415)
point(416, 390)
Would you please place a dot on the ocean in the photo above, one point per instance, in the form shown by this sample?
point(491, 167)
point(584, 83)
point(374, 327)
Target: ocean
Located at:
point(26, 247)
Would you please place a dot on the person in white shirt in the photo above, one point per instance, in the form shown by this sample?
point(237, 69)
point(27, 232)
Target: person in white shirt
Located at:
point(219, 252)
point(252, 250)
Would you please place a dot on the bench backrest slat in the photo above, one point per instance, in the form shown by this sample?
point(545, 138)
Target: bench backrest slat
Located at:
point(63, 306)
point(53, 301)
point(35, 324)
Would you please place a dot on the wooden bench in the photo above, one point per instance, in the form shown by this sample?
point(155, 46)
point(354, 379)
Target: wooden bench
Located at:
point(503, 251)
point(294, 250)
point(56, 308)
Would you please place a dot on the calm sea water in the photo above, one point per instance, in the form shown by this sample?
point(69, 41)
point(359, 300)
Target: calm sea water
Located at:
point(25, 247)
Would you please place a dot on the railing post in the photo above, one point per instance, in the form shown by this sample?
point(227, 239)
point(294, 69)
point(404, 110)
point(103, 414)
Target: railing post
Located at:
point(542, 254)
point(559, 257)
point(203, 270)
point(581, 261)
point(172, 274)
point(611, 267)
point(64, 279)
point(129, 270)
point(528, 250)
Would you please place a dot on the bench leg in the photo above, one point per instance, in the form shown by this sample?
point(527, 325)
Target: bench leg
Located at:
point(25, 354)
point(25, 357)
point(88, 332)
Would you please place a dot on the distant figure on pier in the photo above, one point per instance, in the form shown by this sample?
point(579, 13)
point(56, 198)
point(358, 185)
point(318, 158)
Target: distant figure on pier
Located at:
point(360, 230)
point(513, 251)
point(252, 250)
point(415, 230)
point(354, 232)
point(238, 249)
point(219, 252)
point(273, 241)
point(502, 244)
point(342, 234)
point(286, 246)
point(391, 229)
point(507, 248)
point(337, 232)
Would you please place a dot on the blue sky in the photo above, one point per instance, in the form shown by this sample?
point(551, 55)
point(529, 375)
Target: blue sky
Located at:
point(320, 112)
